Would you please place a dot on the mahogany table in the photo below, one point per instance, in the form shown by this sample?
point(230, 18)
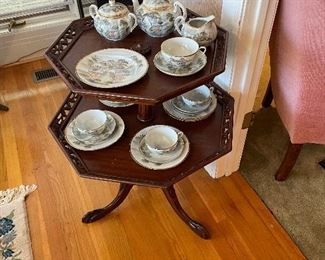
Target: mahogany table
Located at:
point(209, 139)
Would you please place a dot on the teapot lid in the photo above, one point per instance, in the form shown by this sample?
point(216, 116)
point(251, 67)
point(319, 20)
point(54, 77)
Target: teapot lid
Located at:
point(113, 10)
point(157, 4)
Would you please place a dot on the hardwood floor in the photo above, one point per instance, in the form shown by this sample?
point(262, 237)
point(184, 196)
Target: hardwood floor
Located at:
point(144, 226)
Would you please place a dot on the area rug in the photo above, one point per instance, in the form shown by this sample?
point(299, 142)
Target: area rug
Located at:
point(299, 202)
point(14, 232)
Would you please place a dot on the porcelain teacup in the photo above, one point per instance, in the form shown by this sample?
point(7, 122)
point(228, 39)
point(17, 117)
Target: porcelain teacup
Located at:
point(162, 139)
point(200, 96)
point(90, 123)
point(180, 51)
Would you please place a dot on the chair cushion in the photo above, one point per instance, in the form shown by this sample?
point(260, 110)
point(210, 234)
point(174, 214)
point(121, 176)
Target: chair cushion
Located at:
point(297, 50)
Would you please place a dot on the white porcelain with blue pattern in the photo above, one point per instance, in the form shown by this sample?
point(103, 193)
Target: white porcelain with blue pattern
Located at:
point(112, 68)
point(158, 161)
point(177, 109)
point(180, 51)
point(90, 123)
point(162, 139)
point(105, 139)
point(113, 20)
point(201, 29)
point(110, 103)
point(198, 96)
point(199, 62)
point(156, 17)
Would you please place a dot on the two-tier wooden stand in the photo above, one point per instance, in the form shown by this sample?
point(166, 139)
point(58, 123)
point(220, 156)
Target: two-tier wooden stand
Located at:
point(209, 139)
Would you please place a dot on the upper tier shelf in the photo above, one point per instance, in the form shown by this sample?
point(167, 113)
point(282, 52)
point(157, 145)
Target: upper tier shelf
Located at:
point(81, 39)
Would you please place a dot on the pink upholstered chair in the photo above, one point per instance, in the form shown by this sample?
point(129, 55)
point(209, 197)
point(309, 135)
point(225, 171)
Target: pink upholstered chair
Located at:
point(297, 51)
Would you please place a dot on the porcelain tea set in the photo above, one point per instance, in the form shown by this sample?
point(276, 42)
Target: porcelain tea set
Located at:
point(180, 56)
point(159, 147)
point(156, 147)
point(94, 129)
point(157, 18)
point(192, 106)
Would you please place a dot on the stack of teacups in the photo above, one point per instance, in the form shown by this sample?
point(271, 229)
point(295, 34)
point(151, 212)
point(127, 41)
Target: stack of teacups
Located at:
point(93, 125)
point(180, 52)
point(162, 139)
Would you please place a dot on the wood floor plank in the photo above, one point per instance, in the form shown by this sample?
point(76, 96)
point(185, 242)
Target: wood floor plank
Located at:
point(144, 226)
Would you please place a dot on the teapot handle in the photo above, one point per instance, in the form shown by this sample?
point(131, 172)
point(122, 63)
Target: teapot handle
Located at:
point(183, 9)
point(180, 20)
point(135, 21)
point(93, 11)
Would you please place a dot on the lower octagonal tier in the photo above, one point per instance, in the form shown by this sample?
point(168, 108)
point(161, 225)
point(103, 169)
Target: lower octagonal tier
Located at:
point(209, 140)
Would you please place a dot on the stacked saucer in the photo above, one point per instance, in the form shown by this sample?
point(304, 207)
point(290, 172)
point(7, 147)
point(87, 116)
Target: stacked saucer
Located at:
point(159, 147)
point(94, 129)
point(192, 106)
point(110, 103)
point(180, 57)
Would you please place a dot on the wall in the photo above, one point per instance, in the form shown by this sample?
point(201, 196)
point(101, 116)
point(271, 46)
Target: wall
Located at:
point(205, 7)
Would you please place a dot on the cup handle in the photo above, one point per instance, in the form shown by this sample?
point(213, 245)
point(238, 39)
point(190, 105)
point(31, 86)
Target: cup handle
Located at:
point(180, 135)
point(135, 21)
point(180, 20)
point(203, 49)
point(93, 11)
point(212, 90)
point(183, 9)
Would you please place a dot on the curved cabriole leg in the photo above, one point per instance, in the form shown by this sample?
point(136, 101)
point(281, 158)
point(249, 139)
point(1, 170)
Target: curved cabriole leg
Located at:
point(3, 108)
point(97, 214)
point(195, 226)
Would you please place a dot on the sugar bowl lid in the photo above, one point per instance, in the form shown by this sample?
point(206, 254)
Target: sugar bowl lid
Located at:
point(113, 10)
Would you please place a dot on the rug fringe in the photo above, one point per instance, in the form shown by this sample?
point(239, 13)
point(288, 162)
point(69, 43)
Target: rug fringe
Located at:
point(13, 194)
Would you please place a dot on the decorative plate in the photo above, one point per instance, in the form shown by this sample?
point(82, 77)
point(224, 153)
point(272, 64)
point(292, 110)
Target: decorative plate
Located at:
point(189, 117)
point(112, 68)
point(149, 160)
point(99, 143)
point(115, 103)
point(198, 63)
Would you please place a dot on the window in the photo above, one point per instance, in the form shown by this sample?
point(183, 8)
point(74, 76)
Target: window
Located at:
point(30, 26)
point(16, 13)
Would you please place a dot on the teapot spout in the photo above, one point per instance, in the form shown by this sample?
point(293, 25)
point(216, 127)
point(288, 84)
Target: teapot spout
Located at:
point(135, 5)
point(208, 18)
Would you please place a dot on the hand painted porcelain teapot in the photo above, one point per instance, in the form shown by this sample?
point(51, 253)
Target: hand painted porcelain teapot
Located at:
point(201, 29)
point(113, 20)
point(156, 17)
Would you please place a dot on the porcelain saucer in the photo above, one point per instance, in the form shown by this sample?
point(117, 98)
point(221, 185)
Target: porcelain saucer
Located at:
point(115, 103)
point(181, 106)
point(190, 117)
point(198, 63)
point(141, 155)
point(98, 143)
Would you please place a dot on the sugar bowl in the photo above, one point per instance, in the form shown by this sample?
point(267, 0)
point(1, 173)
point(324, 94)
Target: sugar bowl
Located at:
point(113, 20)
